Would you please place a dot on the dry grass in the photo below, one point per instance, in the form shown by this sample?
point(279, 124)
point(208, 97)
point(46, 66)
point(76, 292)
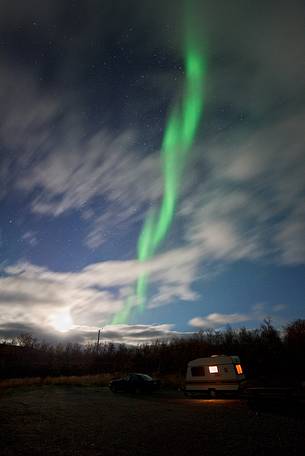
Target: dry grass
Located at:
point(99, 379)
point(172, 381)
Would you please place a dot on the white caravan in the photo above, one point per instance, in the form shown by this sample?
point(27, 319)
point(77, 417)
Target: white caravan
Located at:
point(216, 373)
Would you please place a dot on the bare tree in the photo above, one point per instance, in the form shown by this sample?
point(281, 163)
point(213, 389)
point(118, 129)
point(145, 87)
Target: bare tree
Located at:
point(26, 340)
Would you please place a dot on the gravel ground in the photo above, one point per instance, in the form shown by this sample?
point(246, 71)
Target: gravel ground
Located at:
point(58, 420)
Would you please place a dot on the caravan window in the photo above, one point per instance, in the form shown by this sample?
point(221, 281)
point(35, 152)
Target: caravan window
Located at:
point(213, 369)
point(238, 369)
point(197, 371)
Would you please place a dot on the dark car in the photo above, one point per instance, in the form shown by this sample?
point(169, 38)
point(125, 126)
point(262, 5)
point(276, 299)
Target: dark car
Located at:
point(133, 383)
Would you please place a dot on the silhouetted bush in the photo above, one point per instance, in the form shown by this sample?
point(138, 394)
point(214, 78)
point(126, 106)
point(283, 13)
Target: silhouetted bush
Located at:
point(266, 354)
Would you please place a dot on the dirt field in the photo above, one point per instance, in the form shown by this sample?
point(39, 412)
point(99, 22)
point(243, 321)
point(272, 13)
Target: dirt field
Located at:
point(58, 420)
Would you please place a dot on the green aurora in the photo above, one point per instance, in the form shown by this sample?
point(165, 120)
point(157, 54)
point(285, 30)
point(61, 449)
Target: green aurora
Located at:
point(179, 136)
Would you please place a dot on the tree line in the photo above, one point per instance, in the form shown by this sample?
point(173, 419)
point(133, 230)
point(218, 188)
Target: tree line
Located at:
point(266, 353)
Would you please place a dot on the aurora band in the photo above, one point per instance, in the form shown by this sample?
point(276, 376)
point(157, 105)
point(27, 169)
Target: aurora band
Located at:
point(179, 136)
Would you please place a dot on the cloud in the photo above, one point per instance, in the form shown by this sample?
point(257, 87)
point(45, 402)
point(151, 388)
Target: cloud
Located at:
point(250, 164)
point(127, 334)
point(103, 176)
point(27, 112)
point(30, 237)
point(250, 203)
point(233, 213)
point(217, 319)
point(290, 240)
point(133, 334)
point(279, 307)
point(102, 165)
point(171, 293)
point(31, 294)
point(220, 239)
point(258, 312)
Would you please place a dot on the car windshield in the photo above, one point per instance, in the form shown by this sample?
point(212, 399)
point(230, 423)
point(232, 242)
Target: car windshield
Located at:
point(144, 376)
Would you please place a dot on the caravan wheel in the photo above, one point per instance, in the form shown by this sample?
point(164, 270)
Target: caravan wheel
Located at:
point(212, 393)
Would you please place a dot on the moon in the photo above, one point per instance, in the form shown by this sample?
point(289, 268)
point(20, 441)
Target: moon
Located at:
point(62, 321)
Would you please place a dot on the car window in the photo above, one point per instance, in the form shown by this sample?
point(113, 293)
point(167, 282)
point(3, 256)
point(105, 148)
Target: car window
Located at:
point(132, 377)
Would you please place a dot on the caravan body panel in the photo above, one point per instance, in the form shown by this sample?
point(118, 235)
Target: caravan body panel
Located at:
point(222, 373)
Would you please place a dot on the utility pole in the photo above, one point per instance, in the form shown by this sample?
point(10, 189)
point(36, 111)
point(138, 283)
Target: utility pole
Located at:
point(98, 341)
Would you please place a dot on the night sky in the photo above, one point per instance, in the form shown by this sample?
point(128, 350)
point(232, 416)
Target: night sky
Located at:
point(86, 91)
